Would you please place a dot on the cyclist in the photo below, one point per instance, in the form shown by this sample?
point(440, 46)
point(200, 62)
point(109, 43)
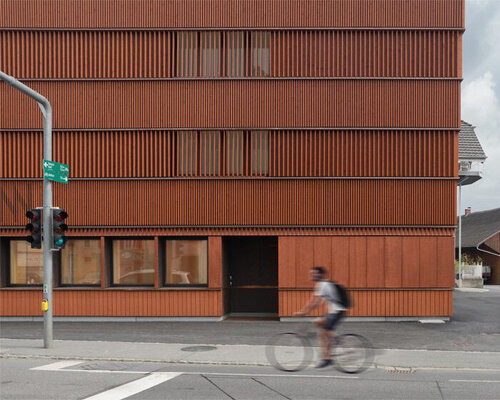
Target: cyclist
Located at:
point(324, 292)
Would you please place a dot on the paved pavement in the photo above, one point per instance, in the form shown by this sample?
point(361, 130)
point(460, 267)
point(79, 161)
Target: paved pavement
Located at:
point(475, 326)
point(459, 359)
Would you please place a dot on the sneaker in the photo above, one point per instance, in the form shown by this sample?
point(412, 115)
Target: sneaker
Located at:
point(324, 363)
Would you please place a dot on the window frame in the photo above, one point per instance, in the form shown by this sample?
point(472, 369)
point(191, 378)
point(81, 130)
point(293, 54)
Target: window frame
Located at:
point(162, 242)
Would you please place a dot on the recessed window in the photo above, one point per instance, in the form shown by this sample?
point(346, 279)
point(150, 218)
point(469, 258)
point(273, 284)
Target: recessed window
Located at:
point(235, 54)
point(234, 152)
point(133, 262)
point(80, 262)
point(26, 264)
point(261, 60)
point(186, 262)
point(260, 155)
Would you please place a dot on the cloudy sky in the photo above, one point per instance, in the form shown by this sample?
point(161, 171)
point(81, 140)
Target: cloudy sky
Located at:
point(481, 97)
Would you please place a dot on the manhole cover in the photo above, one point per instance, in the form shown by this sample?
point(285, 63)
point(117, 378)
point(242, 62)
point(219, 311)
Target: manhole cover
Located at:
point(199, 348)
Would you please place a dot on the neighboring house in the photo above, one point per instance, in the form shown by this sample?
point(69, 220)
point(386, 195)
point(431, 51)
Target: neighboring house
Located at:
point(481, 237)
point(470, 155)
point(220, 148)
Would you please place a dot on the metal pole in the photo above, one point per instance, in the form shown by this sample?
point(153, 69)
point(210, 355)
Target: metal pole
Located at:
point(44, 105)
point(460, 233)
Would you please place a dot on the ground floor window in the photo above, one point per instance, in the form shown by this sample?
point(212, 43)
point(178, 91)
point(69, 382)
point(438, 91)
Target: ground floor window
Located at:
point(26, 264)
point(125, 262)
point(133, 262)
point(186, 262)
point(81, 262)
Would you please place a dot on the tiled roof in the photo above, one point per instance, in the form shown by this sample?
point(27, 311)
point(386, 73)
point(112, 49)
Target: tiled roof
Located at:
point(469, 147)
point(479, 226)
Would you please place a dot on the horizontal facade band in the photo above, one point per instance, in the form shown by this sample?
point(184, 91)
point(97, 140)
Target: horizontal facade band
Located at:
point(395, 303)
point(303, 78)
point(236, 28)
point(220, 128)
point(240, 203)
point(230, 154)
point(209, 303)
point(226, 13)
point(237, 104)
point(231, 54)
point(194, 231)
point(250, 178)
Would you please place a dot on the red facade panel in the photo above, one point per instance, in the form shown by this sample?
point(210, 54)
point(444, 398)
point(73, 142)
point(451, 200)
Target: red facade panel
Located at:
point(300, 53)
point(379, 303)
point(226, 13)
point(154, 153)
point(114, 303)
point(238, 104)
point(240, 202)
point(362, 262)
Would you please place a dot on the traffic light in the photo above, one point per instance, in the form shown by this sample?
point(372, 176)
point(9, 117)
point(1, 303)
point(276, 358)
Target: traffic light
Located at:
point(58, 228)
point(35, 227)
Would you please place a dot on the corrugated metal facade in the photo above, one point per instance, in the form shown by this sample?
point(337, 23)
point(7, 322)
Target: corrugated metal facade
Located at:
point(240, 104)
point(239, 202)
point(152, 54)
point(159, 106)
point(305, 153)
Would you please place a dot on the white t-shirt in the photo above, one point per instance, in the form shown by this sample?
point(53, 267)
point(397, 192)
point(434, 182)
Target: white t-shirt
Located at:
point(329, 292)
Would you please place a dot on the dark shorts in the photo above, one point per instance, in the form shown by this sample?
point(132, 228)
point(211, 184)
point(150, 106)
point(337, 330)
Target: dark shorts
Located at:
point(332, 320)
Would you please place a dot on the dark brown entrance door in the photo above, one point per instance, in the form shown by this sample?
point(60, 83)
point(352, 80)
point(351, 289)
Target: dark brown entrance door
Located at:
point(251, 275)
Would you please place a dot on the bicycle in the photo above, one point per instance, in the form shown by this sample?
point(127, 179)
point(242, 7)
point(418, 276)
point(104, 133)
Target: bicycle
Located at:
point(293, 351)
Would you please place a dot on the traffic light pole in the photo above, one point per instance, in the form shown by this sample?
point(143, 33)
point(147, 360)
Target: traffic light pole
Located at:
point(44, 105)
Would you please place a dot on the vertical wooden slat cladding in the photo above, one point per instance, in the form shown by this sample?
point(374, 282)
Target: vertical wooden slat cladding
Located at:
point(230, 13)
point(240, 202)
point(379, 303)
point(305, 53)
point(369, 261)
point(350, 153)
point(115, 303)
point(238, 104)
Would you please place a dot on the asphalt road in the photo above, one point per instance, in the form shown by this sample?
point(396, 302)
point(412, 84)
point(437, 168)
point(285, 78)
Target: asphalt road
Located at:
point(108, 380)
point(475, 326)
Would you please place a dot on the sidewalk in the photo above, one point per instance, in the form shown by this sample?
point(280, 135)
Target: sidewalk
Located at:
point(230, 354)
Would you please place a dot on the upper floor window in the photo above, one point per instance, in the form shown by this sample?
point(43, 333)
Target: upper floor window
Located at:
point(261, 60)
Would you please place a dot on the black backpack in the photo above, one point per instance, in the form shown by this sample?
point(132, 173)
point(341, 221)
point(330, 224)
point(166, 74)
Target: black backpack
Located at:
point(344, 297)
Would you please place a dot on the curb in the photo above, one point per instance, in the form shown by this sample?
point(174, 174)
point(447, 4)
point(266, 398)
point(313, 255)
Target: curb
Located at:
point(400, 369)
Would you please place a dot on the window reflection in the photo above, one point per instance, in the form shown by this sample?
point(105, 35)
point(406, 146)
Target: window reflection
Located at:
point(26, 264)
point(80, 263)
point(133, 262)
point(186, 262)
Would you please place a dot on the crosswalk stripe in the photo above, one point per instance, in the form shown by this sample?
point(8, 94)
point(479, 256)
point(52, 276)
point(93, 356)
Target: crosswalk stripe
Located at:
point(134, 387)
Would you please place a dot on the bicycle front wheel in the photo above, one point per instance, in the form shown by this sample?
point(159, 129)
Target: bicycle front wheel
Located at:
point(289, 352)
point(352, 353)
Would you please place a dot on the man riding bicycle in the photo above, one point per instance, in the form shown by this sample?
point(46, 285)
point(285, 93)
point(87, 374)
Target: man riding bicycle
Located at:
point(325, 291)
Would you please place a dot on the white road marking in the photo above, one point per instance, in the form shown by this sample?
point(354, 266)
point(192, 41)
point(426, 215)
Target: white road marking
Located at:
point(472, 380)
point(57, 365)
point(134, 387)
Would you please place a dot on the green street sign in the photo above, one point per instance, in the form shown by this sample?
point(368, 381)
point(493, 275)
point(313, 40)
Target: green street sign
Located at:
point(55, 177)
point(55, 167)
point(54, 171)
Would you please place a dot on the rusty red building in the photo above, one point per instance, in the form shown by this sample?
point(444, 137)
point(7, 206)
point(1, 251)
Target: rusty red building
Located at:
point(218, 149)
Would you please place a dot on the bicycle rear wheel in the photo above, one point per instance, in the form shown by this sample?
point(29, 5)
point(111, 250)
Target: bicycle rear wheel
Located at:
point(289, 352)
point(352, 353)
